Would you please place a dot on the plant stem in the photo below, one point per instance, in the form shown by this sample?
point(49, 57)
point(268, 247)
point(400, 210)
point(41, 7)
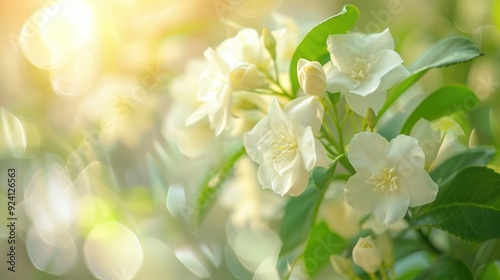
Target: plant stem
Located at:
point(425, 238)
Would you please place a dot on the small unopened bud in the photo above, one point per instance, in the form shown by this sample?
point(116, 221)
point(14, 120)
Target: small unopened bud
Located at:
point(370, 118)
point(340, 264)
point(367, 255)
point(246, 77)
point(269, 42)
point(312, 78)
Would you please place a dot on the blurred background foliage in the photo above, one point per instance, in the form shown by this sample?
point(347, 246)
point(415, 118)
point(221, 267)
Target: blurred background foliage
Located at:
point(98, 175)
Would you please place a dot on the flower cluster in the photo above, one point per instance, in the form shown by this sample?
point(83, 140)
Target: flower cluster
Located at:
point(285, 144)
point(325, 117)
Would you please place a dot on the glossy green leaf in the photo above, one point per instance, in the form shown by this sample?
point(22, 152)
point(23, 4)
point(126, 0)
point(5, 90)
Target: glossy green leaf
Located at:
point(322, 176)
point(446, 52)
point(467, 206)
point(313, 46)
point(322, 243)
point(209, 190)
point(443, 102)
point(297, 220)
point(489, 251)
point(446, 268)
point(489, 271)
point(470, 157)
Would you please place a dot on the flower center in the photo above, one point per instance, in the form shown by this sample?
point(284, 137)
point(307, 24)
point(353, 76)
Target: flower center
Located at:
point(362, 66)
point(285, 144)
point(385, 180)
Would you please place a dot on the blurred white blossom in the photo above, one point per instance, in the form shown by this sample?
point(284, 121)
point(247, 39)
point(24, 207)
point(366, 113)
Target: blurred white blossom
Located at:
point(363, 67)
point(194, 140)
point(389, 177)
point(284, 146)
point(250, 204)
point(215, 93)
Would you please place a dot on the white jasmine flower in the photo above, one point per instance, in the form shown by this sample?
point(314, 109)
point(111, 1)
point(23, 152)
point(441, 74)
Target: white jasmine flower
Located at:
point(196, 140)
point(312, 78)
point(215, 93)
point(389, 177)
point(245, 47)
point(367, 255)
point(284, 146)
point(363, 67)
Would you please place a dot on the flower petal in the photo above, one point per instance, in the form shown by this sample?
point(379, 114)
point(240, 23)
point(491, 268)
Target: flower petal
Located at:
point(421, 188)
point(199, 114)
point(300, 181)
point(366, 152)
point(360, 104)
point(344, 47)
point(405, 155)
point(252, 138)
point(393, 77)
point(305, 111)
point(359, 194)
point(387, 60)
point(276, 117)
point(216, 61)
point(289, 162)
point(338, 81)
point(392, 207)
point(265, 175)
point(219, 118)
point(381, 41)
point(368, 85)
point(311, 150)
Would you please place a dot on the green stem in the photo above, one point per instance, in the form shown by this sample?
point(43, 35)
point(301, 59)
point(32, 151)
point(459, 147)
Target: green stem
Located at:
point(383, 272)
point(428, 242)
point(425, 239)
point(372, 276)
point(393, 273)
point(314, 215)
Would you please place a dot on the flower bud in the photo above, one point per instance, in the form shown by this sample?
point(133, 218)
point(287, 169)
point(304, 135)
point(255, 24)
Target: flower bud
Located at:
point(370, 118)
point(246, 77)
point(367, 255)
point(341, 265)
point(312, 78)
point(269, 42)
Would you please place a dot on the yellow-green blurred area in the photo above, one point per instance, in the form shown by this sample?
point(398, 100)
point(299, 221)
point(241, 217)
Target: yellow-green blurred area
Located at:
point(100, 185)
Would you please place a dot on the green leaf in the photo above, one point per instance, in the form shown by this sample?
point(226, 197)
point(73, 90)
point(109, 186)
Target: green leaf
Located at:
point(467, 206)
point(470, 157)
point(209, 190)
point(489, 251)
point(313, 46)
point(446, 52)
point(446, 268)
point(443, 102)
point(322, 176)
point(489, 271)
point(322, 243)
point(297, 220)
